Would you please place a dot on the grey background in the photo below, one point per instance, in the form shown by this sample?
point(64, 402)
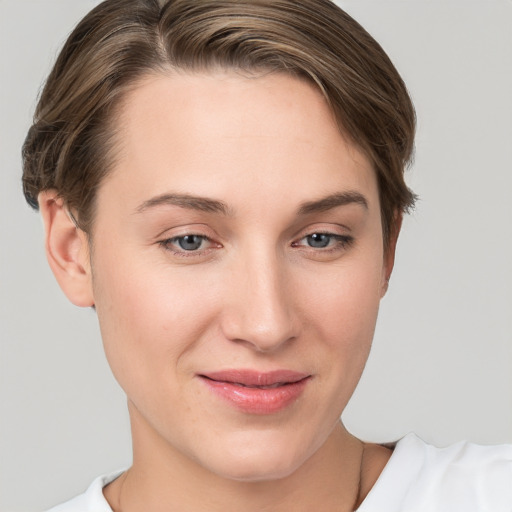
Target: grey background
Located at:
point(442, 358)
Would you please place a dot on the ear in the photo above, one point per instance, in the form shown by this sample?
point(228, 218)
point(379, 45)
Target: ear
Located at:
point(67, 250)
point(389, 255)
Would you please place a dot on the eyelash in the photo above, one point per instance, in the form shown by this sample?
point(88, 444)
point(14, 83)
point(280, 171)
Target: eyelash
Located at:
point(341, 242)
point(183, 253)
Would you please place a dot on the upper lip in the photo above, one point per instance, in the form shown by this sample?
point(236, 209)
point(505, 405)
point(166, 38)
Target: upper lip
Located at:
point(247, 377)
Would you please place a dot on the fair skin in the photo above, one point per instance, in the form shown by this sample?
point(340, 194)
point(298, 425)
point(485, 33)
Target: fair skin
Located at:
point(239, 230)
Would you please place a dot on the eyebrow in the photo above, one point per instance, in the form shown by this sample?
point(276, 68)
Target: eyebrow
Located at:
point(190, 202)
point(333, 201)
point(208, 205)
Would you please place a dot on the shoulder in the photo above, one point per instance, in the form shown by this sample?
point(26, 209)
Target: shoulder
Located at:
point(424, 478)
point(92, 500)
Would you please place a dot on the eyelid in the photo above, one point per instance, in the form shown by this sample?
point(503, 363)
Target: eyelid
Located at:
point(184, 229)
point(333, 229)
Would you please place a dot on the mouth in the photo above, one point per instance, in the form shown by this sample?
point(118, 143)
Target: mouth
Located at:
point(257, 392)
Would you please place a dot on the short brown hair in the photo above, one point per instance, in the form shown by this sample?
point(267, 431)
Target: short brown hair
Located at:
point(69, 147)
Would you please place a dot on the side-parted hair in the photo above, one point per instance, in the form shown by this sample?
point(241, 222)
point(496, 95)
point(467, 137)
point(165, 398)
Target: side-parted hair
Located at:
point(71, 145)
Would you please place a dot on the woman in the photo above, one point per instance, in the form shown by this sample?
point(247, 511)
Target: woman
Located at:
point(223, 183)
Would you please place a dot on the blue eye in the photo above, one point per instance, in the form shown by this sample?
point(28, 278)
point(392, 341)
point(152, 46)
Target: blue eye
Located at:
point(189, 242)
point(319, 240)
point(180, 245)
point(325, 242)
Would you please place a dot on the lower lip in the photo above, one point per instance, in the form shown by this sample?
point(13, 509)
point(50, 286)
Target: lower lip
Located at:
point(258, 400)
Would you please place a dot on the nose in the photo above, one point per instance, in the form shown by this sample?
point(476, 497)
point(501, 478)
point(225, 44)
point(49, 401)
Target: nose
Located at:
point(260, 312)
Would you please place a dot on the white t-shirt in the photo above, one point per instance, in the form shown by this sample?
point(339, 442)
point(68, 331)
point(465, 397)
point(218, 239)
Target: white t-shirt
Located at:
point(418, 477)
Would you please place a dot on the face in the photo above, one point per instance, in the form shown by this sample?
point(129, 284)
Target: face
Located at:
point(237, 270)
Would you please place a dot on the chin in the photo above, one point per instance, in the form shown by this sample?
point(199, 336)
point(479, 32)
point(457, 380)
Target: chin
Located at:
point(257, 471)
point(259, 459)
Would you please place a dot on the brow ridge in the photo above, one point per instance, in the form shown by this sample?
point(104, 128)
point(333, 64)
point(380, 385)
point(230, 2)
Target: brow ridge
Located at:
point(333, 201)
point(215, 206)
point(188, 201)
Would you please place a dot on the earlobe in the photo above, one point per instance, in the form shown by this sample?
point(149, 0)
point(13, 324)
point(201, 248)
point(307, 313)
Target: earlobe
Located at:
point(67, 250)
point(385, 286)
point(389, 256)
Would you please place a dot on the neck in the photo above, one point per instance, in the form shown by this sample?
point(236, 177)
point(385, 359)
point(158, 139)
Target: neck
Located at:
point(163, 479)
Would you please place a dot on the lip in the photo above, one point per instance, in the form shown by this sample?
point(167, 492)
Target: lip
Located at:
point(257, 392)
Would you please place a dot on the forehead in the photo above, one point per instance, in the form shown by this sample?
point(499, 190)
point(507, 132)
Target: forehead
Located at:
point(204, 133)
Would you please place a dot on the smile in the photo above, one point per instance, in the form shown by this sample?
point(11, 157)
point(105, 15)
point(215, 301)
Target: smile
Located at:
point(255, 392)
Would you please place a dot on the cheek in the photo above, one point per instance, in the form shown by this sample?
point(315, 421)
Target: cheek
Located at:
point(343, 311)
point(149, 319)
